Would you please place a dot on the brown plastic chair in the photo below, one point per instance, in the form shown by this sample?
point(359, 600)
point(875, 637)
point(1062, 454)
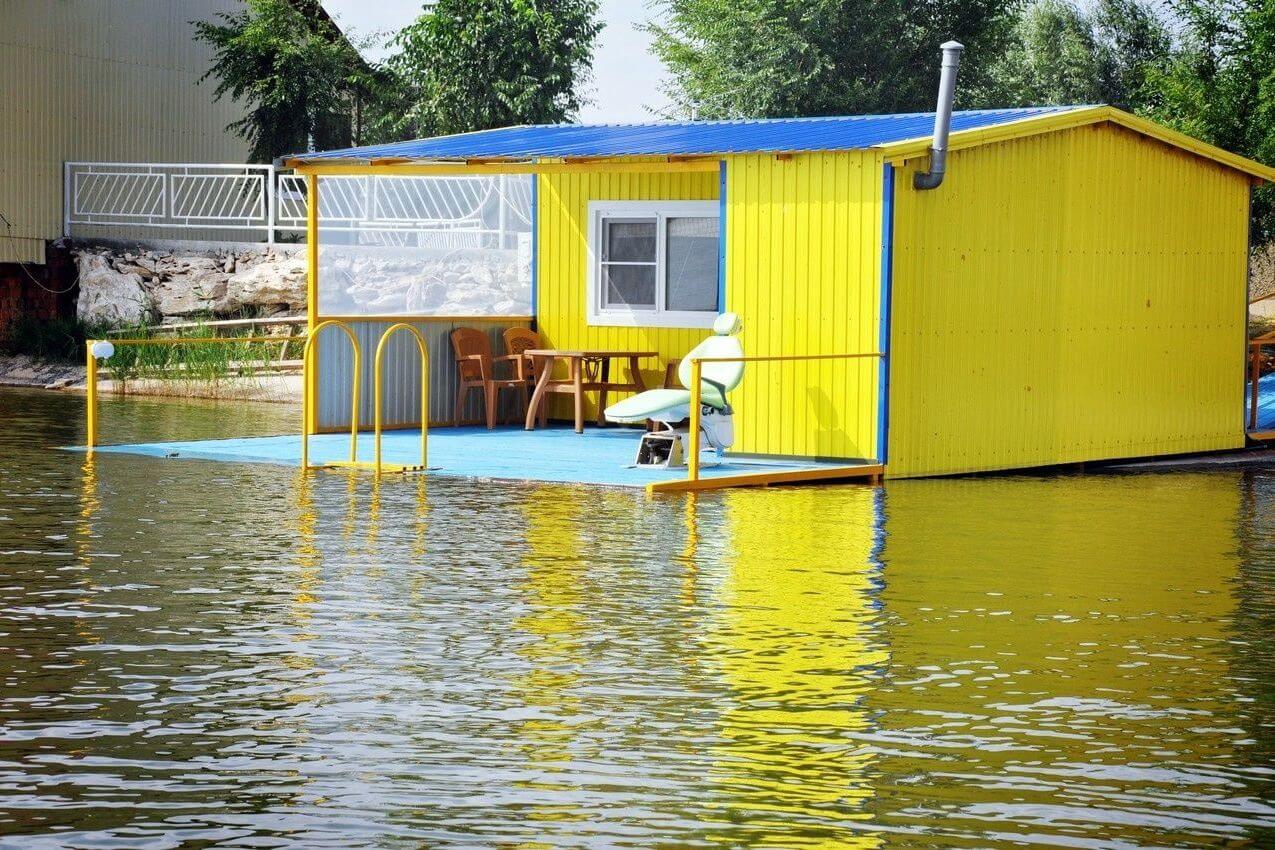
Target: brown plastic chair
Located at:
point(517, 342)
point(476, 370)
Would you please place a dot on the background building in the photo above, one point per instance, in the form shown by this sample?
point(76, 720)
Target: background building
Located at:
point(106, 80)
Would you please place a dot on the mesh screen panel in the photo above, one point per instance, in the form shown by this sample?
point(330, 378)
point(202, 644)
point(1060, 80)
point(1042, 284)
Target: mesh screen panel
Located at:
point(425, 246)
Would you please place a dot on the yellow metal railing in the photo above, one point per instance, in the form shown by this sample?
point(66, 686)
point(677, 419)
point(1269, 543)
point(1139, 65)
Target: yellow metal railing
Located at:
point(424, 351)
point(92, 352)
point(309, 389)
point(697, 385)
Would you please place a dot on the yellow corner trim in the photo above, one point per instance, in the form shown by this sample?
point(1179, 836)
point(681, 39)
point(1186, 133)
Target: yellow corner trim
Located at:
point(896, 152)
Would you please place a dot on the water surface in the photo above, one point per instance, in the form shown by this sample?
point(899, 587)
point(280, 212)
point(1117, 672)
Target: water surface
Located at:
point(196, 654)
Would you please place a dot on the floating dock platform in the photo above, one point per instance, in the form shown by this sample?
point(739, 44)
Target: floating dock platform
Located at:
point(599, 457)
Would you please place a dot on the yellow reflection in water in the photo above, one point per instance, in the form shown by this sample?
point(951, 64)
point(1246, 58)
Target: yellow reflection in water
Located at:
point(1061, 633)
point(551, 588)
point(1083, 576)
point(419, 528)
point(308, 556)
point(308, 581)
point(90, 504)
point(792, 633)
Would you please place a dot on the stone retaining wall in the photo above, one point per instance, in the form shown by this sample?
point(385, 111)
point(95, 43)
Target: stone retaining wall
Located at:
point(128, 286)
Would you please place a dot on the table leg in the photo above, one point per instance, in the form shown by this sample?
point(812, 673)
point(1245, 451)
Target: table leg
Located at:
point(537, 397)
point(602, 394)
point(635, 375)
point(577, 391)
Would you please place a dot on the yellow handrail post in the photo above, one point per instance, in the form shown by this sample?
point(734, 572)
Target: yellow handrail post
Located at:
point(308, 413)
point(309, 387)
point(376, 390)
point(692, 461)
point(90, 386)
point(696, 388)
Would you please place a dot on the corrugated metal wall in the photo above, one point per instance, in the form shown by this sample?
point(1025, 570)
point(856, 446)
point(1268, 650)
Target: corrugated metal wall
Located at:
point(401, 368)
point(803, 239)
point(1067, 297)
point(110, 80)
point(801, 270)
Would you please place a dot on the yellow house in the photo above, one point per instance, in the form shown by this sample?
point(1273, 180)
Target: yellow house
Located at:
point(1075, 290)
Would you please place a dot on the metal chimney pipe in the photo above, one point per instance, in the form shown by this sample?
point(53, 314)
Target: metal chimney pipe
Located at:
point(942, 118)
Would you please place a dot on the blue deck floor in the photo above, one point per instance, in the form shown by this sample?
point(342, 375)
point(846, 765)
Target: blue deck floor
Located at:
point(598, 456)
point(1265, 402)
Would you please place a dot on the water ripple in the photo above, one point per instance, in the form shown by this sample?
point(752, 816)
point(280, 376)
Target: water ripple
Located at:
point(194, 654)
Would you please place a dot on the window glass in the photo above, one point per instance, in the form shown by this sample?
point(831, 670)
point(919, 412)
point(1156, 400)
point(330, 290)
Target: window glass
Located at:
point(653, 263)
point(691, 264)
point(629, 285)
point(629, 262)
point(630, 241)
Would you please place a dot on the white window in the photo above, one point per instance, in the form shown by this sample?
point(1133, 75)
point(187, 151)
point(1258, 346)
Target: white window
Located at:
point(653, 263)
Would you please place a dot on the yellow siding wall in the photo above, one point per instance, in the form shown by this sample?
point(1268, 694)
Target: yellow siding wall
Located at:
point(803, 241)
point(802, 270)
point(1066, 297)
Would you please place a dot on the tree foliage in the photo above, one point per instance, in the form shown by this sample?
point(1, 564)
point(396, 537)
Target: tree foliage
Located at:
point(301, 81)
point(476, 64)
point(1220, 85)
point(1062, 53)
point(775, 58)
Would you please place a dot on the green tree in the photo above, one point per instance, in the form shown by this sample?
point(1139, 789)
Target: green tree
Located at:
point(1220, 85)
point(1060, 53)
point(303, 84)
point(1135, 42)
point(476, 64)
point(775, 58)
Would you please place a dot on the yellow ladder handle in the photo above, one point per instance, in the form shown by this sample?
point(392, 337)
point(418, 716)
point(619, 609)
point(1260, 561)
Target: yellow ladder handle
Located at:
point(307, 363)
point(423, 348)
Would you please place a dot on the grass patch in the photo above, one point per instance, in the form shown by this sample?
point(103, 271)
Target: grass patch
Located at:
point(199, 360)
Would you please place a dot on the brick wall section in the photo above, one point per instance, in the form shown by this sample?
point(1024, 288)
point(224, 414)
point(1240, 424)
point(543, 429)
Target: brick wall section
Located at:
point(21, 296)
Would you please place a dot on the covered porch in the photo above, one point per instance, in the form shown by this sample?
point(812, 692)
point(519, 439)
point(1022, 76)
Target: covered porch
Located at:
point(560, 221)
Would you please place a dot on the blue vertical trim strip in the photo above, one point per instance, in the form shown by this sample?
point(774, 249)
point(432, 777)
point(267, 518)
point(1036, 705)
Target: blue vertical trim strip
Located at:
point(883, 342)
point(535, 248)
point(721, 238)
point(1250, 236)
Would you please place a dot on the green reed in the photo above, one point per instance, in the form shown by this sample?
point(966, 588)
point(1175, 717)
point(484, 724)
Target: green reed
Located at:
point(202, 359)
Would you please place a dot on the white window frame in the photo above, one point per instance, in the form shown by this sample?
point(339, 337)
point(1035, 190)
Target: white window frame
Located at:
point(659, 317)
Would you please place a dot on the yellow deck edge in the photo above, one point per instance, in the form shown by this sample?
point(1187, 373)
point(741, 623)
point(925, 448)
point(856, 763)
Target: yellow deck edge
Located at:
point(367, 466)
point(762, 479)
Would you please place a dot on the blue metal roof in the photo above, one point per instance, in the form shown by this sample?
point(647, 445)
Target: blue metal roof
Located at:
point(680, 138)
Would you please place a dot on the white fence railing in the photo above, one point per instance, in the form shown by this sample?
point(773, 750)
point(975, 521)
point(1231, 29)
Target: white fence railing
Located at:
point(486, 211)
